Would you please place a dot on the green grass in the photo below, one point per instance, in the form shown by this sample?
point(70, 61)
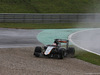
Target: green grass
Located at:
point(49, 26)
point(48, 6)
point(87, 56)
point(36, 26)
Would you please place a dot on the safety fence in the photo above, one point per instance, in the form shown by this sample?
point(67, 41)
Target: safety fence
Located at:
point(48, 18)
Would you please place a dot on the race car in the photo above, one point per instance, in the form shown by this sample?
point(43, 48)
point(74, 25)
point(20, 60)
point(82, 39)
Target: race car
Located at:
point(56, 50)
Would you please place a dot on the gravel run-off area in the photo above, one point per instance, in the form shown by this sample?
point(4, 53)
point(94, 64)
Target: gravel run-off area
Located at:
point(20, 61)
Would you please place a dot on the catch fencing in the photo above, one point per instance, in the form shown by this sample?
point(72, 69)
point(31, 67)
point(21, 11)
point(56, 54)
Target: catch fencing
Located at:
point(48, 18)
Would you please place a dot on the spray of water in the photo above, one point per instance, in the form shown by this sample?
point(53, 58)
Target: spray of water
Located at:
point(91, 20)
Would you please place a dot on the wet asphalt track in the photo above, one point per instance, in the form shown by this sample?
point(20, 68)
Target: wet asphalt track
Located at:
point(87, 39)
point(11, 38)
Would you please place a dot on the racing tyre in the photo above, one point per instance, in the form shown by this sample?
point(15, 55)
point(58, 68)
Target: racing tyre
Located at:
point(61, 53)
point(37, 51)
point(71, 52)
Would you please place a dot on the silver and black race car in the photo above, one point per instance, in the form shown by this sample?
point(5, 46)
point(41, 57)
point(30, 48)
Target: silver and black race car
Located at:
point(56, 50)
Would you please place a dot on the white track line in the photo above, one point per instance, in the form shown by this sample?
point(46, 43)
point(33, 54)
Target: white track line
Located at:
point(70, 36)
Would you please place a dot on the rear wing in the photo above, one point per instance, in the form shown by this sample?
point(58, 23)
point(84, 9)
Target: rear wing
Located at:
point(62, 40)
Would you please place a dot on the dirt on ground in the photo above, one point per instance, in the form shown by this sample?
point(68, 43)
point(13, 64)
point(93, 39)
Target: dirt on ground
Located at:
point(20, 61)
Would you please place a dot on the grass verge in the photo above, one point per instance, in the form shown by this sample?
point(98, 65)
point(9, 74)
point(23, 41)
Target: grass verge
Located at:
point(49, 26)
point(37, 26)
point(87, 56)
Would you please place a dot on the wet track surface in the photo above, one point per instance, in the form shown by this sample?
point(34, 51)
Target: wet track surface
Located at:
point(10, 38)
point(87, 39)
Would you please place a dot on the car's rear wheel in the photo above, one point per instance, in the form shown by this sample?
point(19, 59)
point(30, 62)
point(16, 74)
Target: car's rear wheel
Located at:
point(37, 51)
point(71, 52)
point(61, 53)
